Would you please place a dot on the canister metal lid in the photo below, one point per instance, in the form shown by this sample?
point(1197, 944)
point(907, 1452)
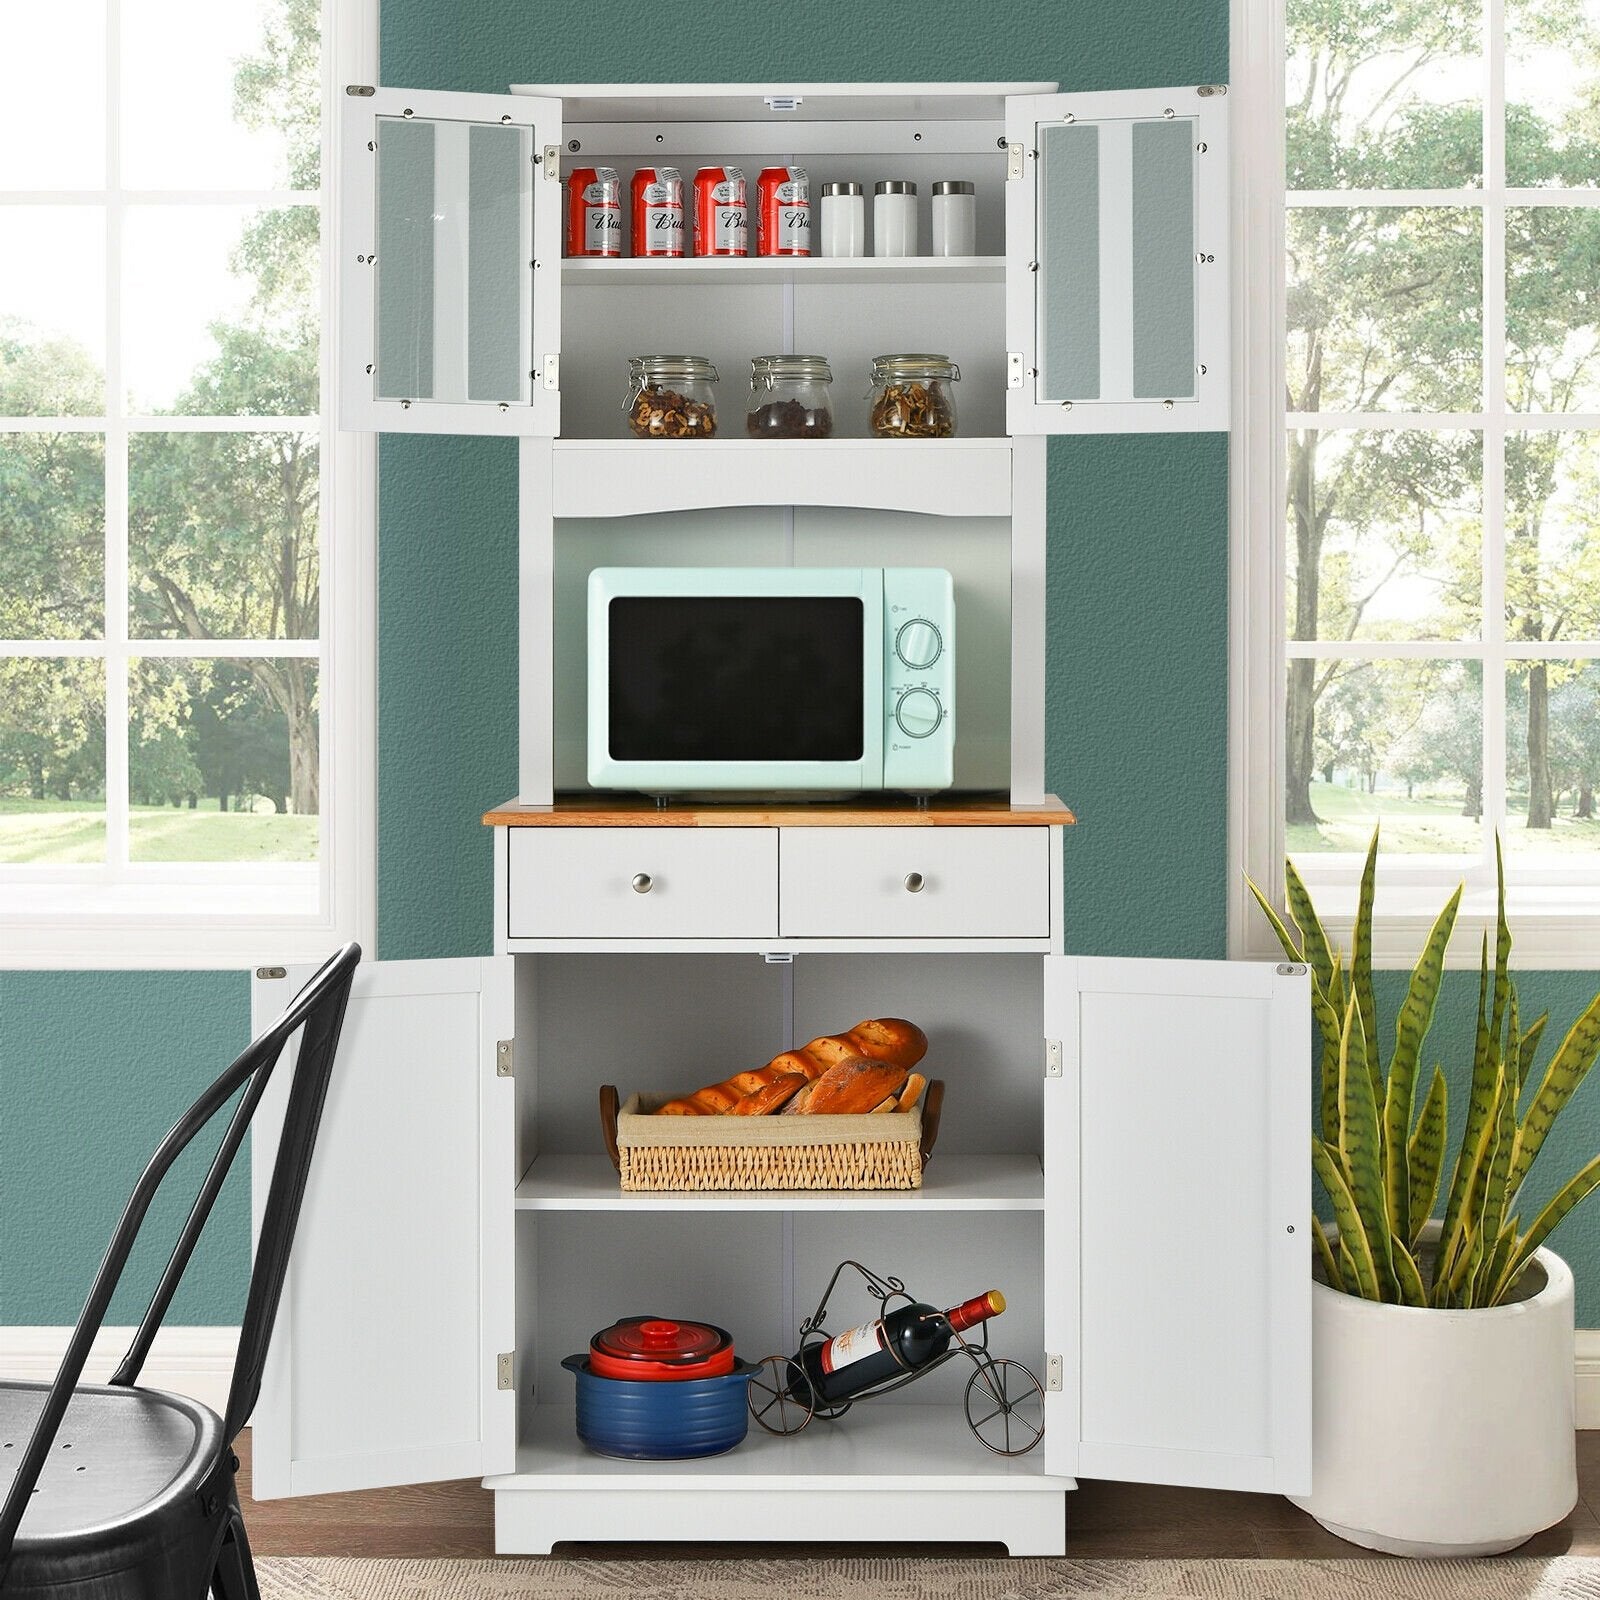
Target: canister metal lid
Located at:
point(894, 186)
point(841, 188)
point(955, 186)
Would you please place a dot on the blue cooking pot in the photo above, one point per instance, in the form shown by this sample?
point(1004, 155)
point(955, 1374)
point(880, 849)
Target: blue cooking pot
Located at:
point(655, 1421)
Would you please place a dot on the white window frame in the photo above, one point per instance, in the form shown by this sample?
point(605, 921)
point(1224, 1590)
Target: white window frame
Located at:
point(1555, 924)
point(183, 916)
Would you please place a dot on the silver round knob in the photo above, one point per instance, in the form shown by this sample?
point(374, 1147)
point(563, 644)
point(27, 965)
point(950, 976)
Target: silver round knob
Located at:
point(643, 883)
point(914, 882)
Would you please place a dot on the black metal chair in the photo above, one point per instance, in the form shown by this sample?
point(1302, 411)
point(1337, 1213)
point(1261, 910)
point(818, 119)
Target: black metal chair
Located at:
point(123, 1493)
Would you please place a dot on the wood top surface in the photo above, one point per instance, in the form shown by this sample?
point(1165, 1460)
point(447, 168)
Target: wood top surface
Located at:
point(635, 811)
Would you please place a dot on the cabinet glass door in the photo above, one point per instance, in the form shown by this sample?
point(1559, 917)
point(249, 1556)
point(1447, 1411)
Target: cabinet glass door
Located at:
point(1177, 1245)
point(450, 315)
point(1117, 286)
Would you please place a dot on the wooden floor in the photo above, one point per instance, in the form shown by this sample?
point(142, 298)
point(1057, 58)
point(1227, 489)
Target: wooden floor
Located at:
point(1103, 1520)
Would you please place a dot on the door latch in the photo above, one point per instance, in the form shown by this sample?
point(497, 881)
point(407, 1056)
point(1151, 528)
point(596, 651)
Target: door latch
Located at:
point(1014, 161)
point(1052, 1373)
point(504, 1377)
point(1052, 1058)
point(504, 1062)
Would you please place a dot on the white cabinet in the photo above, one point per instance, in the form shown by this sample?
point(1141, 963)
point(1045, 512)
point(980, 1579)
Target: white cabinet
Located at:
point(1123, 1144)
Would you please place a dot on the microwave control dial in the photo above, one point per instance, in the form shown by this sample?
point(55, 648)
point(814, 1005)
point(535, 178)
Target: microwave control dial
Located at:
point(918, 713)
point(918, 643)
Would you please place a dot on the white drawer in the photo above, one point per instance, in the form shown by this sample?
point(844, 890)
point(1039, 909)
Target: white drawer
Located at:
point(914, 883)
point(643, 883)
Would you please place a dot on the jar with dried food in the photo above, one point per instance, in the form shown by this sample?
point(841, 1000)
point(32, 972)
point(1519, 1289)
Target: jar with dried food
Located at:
point(670, 397)
point(912, 397)
point(789, 398)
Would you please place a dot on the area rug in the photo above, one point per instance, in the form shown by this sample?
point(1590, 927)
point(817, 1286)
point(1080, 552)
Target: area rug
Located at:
point(933, 1578)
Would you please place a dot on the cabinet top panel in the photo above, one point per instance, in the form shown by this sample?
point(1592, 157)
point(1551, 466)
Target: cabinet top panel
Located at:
point(634, 811)
point(800, 102)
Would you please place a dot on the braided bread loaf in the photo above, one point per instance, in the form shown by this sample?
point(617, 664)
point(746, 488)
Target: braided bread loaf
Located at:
point(889, 1039)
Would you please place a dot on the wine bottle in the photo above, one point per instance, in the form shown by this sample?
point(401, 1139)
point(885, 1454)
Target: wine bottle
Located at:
point(903, 1341)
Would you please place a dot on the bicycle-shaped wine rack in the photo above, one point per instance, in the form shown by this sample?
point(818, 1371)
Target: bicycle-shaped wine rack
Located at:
point(1004, 1402)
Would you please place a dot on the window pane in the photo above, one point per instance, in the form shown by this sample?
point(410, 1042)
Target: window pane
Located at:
point(1551, 49)
point(52, 535)
point(46, 47)
point(1552, 758)
point(1384, 309)
point(1384, 97)
point(1553, 309)
point(219, 308)
point(222, 536)
point(223, 760)
point(1069, 261)
point(52, 311)
point(52, 760)
point(1393, 742)
point(220, 96)
point(1385, 534)
point(1552, 535)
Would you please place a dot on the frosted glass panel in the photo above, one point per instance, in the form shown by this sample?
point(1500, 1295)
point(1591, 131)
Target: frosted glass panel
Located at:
point(1163, 260)
point(405, 263)
point(1069, 262)
point(494, 276)
point(453, 296)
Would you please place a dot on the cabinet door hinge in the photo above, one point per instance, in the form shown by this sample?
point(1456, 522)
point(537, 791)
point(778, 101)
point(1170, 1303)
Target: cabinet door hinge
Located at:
point(1014, 369)
point(504, 1061)
point(1052, 1058)
point(552, 371)
point(552, 162)
point(1014, 161)
point(504, 1377)
point(1052, 1373)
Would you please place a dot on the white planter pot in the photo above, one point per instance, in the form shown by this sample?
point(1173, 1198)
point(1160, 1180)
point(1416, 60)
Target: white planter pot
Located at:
point(1444, 1433)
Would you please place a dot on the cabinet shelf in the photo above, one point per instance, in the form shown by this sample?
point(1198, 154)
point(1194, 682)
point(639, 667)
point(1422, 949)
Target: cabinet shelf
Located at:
point(782, 270)
point(855, 1454)
point(954, 1182)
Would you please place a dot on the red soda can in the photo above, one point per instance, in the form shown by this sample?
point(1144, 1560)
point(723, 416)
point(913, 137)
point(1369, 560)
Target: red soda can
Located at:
point(594, 212)
point(721, 212)
point(658, 212)
point(784, 198)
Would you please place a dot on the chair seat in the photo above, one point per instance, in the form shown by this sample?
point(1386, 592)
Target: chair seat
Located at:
point(127, 1481)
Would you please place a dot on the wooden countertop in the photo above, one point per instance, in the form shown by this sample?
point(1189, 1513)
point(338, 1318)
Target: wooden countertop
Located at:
point(634, 811)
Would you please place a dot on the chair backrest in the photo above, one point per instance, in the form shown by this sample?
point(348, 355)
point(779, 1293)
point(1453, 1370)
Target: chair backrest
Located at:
point(319, 1010)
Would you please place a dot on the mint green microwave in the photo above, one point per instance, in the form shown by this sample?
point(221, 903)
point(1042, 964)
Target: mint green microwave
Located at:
point(738, 682)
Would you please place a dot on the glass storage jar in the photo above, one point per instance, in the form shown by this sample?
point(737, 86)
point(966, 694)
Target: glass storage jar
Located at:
point(912, 397)
point(671, 397)
point(789, 398)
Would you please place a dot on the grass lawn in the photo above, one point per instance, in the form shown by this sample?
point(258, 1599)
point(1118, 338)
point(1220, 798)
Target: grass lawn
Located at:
point(1425, 825)
point(73, 831)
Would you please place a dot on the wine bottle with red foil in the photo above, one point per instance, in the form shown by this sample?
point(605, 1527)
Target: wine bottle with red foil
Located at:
point(900, 1342)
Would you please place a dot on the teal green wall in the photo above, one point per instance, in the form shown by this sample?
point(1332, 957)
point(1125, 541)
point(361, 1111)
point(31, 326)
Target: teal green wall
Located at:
point(92, 1066)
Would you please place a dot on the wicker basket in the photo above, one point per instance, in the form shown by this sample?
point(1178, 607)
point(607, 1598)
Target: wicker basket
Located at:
point(886, 1151)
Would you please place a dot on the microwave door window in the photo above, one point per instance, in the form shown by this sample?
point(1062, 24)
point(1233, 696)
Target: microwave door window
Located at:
point(736, 678)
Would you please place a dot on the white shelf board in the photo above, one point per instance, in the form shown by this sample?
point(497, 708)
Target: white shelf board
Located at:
point(859, 1452)
point(632, 477)
point(785, 270)
point(953, 1182)
point(818, 102)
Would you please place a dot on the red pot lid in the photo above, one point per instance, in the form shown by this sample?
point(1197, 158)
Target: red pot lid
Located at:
point(644, 1348)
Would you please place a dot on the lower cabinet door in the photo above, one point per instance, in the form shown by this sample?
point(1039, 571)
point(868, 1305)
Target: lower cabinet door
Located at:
point(399, 1297)
point(1178, 1254)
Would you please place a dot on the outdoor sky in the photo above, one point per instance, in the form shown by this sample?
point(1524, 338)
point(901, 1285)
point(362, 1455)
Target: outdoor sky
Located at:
point(178, 132)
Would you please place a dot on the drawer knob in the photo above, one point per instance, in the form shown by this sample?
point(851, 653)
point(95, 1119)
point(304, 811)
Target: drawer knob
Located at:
point(643, 883)
point(914, 882)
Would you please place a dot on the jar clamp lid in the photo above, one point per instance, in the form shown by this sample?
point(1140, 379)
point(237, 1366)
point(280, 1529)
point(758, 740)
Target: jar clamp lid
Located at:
point(898, 369)
point(766, 371)
point(894, 186)
point(684, 368)
point(955, 186)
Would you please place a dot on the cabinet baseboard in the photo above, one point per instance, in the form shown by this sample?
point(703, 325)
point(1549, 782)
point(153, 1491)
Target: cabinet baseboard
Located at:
point(197, 1362)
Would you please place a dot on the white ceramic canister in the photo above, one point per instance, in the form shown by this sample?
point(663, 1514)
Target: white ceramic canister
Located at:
point(844, 220)
point(894, 218)
point(955, 218)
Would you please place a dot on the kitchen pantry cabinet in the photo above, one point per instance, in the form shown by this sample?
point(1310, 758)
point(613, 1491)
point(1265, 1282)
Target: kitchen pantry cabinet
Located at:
point(1123, 1147)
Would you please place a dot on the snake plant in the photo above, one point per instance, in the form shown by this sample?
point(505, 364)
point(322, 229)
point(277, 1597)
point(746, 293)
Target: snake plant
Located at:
point(1382, 1161)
